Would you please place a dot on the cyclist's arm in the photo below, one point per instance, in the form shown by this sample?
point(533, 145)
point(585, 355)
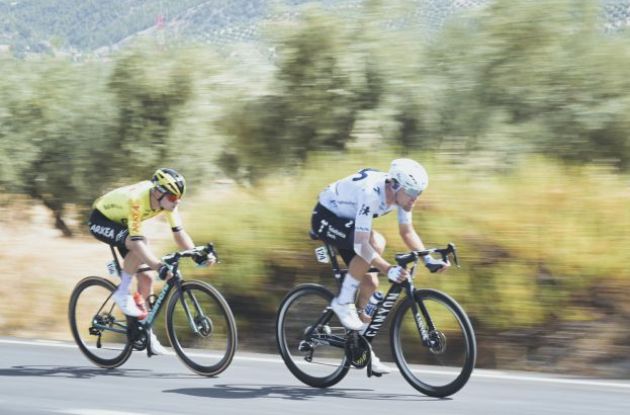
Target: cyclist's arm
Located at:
point(410, 237)
point(414, 243)
point(364, 249)
point(181, 237)
point(139, 247)
point(363, 231)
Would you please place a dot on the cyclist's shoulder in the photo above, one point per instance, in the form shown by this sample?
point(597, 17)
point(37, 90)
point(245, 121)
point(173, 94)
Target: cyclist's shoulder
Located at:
point(133, 192)
point(134, 189)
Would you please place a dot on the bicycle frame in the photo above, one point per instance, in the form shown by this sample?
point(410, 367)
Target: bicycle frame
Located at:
point(176, 281)
point(421, 315)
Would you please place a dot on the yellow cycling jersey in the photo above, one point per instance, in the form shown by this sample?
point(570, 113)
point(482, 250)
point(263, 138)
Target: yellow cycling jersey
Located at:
point(130, 205)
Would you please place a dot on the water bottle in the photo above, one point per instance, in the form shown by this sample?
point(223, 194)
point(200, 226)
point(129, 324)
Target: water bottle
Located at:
point(373, 302)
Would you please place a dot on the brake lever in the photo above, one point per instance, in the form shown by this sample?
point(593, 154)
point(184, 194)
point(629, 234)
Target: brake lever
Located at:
point(213, 251)
point(209, 249)
point(453, 250)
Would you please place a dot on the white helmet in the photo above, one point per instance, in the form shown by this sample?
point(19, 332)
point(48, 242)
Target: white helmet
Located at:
point(410, 175)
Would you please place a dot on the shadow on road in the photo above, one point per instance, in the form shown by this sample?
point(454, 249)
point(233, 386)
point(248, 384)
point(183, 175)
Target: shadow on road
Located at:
point(296, 393)
point(79, 372)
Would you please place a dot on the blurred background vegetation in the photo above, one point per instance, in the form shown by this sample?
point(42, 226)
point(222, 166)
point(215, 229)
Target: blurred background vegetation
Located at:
point(519, 109)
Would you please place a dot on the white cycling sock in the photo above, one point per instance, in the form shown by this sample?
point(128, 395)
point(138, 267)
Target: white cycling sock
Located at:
point(348, 290)
point(125, 283)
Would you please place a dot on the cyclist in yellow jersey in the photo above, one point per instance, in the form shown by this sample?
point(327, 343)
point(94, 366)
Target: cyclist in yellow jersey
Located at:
point(117, 220)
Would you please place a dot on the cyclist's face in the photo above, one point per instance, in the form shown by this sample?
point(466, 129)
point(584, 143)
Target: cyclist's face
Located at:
point(169, 201)
point(405, 201)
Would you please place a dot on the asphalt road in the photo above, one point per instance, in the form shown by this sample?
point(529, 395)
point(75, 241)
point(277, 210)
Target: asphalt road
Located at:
point(38, 377)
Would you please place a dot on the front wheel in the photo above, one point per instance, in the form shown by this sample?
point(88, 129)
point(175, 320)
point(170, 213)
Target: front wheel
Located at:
point(310, 338)
point(98, 326)
point(443, 365)
point(201, 328)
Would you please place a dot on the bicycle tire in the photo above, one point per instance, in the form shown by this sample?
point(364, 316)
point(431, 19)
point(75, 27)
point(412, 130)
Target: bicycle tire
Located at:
point(118, 358)
point(289, 333)
point(462, 359)
point(215, 324)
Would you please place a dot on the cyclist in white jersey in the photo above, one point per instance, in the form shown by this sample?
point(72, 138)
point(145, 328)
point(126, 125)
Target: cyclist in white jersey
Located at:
point(343, 217)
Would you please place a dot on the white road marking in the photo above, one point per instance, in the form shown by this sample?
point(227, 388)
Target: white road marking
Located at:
point(88, 411)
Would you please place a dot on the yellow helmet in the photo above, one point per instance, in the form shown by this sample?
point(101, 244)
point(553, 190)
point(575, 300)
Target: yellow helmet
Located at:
point(169, 181)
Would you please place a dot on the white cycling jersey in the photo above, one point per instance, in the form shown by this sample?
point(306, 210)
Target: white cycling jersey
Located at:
point(360, 197)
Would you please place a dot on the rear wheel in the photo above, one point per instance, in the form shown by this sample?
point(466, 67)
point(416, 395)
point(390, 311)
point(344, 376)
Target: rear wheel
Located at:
point(312, 360)
point(201, 328)
point(444, 366)
point(98, 326)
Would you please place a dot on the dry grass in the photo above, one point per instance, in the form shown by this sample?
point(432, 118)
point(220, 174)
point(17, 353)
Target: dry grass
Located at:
point(40, 269)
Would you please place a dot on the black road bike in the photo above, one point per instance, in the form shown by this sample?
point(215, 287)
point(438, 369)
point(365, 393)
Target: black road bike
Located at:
point(199, 322)
point(431, 338)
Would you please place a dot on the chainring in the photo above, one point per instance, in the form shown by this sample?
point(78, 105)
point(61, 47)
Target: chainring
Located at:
point(358, 350)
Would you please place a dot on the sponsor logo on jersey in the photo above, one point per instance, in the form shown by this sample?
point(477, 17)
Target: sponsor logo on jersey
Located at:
point(109, 206)
point(120, 237)
point(333, 233)
point(365, 210)
point(136, 218)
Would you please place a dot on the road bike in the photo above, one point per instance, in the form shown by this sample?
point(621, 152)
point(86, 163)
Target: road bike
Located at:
point(199, 322)
point(431, 338)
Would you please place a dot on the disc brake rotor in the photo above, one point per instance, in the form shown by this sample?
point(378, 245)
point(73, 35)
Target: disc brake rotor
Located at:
point(439, 342)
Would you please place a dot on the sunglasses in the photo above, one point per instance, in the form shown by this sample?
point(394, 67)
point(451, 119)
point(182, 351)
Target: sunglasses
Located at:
point(412, 193)
point(171, 197)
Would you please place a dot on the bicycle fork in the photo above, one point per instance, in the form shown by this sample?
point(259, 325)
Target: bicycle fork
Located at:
point(424, 324)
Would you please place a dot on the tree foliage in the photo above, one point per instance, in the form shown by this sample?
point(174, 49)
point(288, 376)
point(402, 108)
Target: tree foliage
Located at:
point(68, 132)
point(549, 72)
point(320, 86)
point(510, 78)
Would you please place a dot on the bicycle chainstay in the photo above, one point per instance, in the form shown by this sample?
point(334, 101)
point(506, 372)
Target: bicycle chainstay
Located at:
point(358, 350)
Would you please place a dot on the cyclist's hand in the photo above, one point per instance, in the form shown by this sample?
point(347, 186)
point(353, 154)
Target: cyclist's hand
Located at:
point(165, 272)
point(435, 265)
point(397, 274)
point(203, 259)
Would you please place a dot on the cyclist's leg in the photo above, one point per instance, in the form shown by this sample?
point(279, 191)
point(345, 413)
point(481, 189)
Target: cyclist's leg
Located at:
point(339, 232)
point(145, 281)
point(144, 273)
point(122, 296)
point(369, 283)
point(145, 287)
point(114, 234)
